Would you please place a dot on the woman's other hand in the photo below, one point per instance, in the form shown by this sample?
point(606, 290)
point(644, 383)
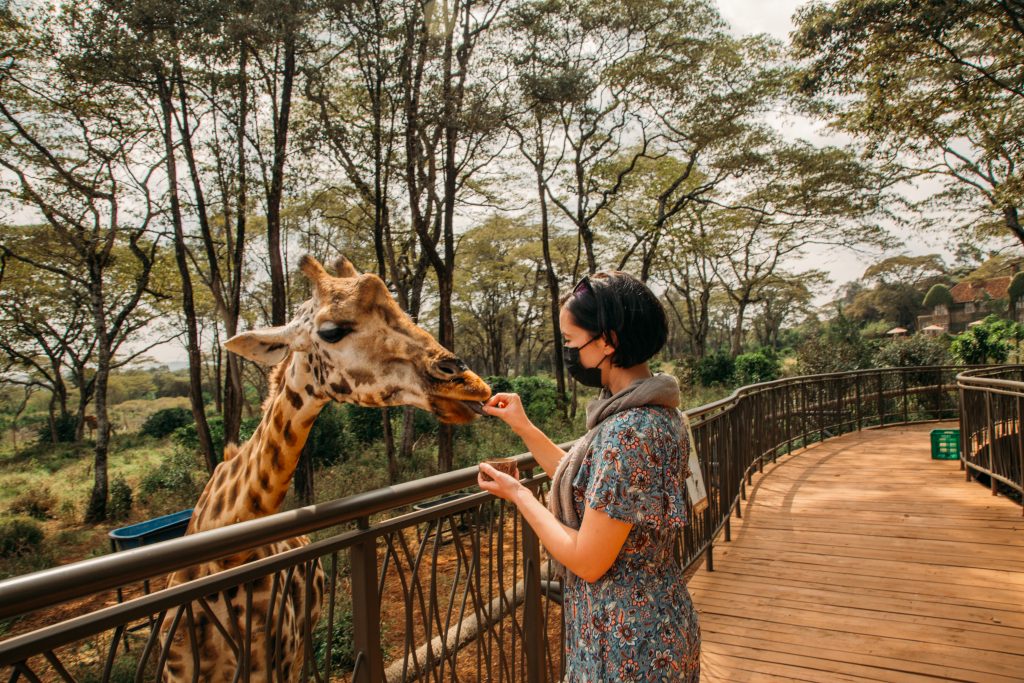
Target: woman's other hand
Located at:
point(501, 485)
point(509, 409)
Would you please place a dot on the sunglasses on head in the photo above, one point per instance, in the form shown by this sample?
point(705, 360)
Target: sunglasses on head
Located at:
point(583, 286)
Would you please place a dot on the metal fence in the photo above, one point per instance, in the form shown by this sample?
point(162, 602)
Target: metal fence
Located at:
point(420, 584)
point(991, 442)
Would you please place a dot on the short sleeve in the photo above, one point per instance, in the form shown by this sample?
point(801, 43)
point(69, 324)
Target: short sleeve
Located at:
point(636, 469)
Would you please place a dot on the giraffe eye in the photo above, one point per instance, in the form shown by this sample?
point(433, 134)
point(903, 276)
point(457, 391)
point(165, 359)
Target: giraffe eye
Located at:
point(333, 333)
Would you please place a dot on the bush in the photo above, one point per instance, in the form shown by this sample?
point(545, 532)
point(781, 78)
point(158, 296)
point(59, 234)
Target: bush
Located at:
point(177, 481)
point(539, 396)
point(119, 505)
point(364, 424)
point(755, 367)
point(166, 421)
point(327, 442)
point(37, 503)
point(989, 342)
point(343, 654)
point(912, 352)
point(714, 369)
point(64, 426)
point(188, 438)
point(20, 536)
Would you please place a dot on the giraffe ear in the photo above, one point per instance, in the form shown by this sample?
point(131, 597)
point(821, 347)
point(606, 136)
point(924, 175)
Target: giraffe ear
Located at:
point(268, 346)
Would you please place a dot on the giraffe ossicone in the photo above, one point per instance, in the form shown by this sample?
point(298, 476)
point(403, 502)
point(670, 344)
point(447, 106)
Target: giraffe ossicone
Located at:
point(349, 342)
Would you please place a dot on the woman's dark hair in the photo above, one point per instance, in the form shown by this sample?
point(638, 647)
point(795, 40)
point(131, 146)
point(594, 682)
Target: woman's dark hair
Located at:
point(621, 309)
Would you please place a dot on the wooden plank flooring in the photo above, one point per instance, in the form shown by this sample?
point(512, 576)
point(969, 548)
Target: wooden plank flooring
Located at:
point(861, 559)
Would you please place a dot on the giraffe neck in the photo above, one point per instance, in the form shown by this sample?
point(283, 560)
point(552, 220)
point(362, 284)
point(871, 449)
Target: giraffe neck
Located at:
point(254, 482)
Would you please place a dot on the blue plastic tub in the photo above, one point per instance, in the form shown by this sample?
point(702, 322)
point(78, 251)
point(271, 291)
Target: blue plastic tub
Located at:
point(151, 531)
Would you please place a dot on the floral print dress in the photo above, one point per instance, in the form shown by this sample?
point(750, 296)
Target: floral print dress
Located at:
point(635, 623)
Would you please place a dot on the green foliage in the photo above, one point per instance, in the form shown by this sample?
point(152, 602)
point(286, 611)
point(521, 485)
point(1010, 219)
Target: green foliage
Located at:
point(363, 424)
point(175, 483)
point(989, 342)
point(834, 347)
point(19, 536)
point(1016, 289)
point(327, 442)
point(913, 351)
point(64, 426)
point(755, 367)
point(188, 438)
point(939, 295)
point(166, 421)
point(715, 369)
point(119, 503)
point(37, 503)
point(539, 396)
point(341, 638)
point(122, 671)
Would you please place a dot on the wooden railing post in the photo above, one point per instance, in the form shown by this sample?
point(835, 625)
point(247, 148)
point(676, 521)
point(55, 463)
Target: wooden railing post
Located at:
point(533, 612)
point(366, 609)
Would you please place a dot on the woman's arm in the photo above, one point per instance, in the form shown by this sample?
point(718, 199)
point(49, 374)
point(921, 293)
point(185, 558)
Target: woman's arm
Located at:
point(588, 553)
point(509, 409)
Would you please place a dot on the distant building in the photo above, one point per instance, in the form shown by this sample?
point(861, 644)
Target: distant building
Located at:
point(973, 301)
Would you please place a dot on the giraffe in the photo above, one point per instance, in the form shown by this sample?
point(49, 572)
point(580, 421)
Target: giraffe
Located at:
point(351, 343)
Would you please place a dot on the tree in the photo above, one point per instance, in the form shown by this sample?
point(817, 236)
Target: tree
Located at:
point(933, 88)
point(71, 150)
point(939, 295)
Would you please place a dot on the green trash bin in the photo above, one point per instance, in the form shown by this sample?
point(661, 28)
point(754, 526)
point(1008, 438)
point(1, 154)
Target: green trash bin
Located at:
point(945, 444)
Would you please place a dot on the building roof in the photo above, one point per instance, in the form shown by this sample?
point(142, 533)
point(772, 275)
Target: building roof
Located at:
point(965, 292)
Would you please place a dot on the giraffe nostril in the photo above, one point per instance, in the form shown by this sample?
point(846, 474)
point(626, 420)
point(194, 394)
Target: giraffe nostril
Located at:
point(449, 367)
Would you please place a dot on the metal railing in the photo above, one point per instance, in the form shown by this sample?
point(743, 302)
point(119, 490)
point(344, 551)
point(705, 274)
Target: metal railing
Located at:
point(455, 591)
point(991, 441)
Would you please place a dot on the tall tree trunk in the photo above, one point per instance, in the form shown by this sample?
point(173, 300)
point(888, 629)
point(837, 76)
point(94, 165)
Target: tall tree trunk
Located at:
point(96, 511)
point(195, 360)
point(554, 296)
point(278, 294)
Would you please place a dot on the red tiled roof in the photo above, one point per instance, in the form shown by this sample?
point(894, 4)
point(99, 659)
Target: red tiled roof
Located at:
point(964, 292)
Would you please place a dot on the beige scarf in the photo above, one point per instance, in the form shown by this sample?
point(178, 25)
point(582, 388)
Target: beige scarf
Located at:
point(659, 390)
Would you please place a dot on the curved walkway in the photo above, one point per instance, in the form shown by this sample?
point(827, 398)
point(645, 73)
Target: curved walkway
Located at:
point(861, 559)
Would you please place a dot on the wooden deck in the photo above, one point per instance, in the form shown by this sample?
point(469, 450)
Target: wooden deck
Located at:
point(861, 559)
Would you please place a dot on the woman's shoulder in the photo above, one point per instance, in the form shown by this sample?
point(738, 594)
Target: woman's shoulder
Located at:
point(643, 419)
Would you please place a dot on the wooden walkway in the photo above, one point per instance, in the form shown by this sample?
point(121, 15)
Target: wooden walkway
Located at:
point(861, 559)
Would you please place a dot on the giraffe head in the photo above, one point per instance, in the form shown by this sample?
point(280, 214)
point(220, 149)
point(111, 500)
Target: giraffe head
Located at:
point(350, 342)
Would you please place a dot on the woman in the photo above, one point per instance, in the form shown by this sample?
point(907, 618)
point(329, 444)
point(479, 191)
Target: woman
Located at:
point(617, 497)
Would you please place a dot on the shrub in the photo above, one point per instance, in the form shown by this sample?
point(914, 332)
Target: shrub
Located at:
point(166, 421)
point(938, 295)
point(20, 536)
point(187, 437)
point(714, 369)
point(35, 502)
point(912, 352)
point(327, 442)
point(989, 342)
point(64, 425)
point(539, 396)
point(499, 385)
point(176, 481)
point(119, 505)
point(364, 424)
point(755, 367)
point(342, 648)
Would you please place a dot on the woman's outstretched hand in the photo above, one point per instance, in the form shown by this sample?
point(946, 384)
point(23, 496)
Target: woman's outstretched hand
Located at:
point(509, 409)
point(501, 485)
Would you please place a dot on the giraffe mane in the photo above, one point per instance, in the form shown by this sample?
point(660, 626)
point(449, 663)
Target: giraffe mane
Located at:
point(275, 382)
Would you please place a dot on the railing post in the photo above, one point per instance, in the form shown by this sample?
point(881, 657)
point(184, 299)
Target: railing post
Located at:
point(906, 402)
point(991, 443)
point(881, 402)
point(366, 608)
point(533, 616)
point(858, 402)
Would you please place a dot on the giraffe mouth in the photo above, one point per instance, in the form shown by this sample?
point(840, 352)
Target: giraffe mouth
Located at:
point(476, 406)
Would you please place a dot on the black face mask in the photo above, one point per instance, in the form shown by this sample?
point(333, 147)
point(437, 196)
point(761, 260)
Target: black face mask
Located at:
point(588, 377)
